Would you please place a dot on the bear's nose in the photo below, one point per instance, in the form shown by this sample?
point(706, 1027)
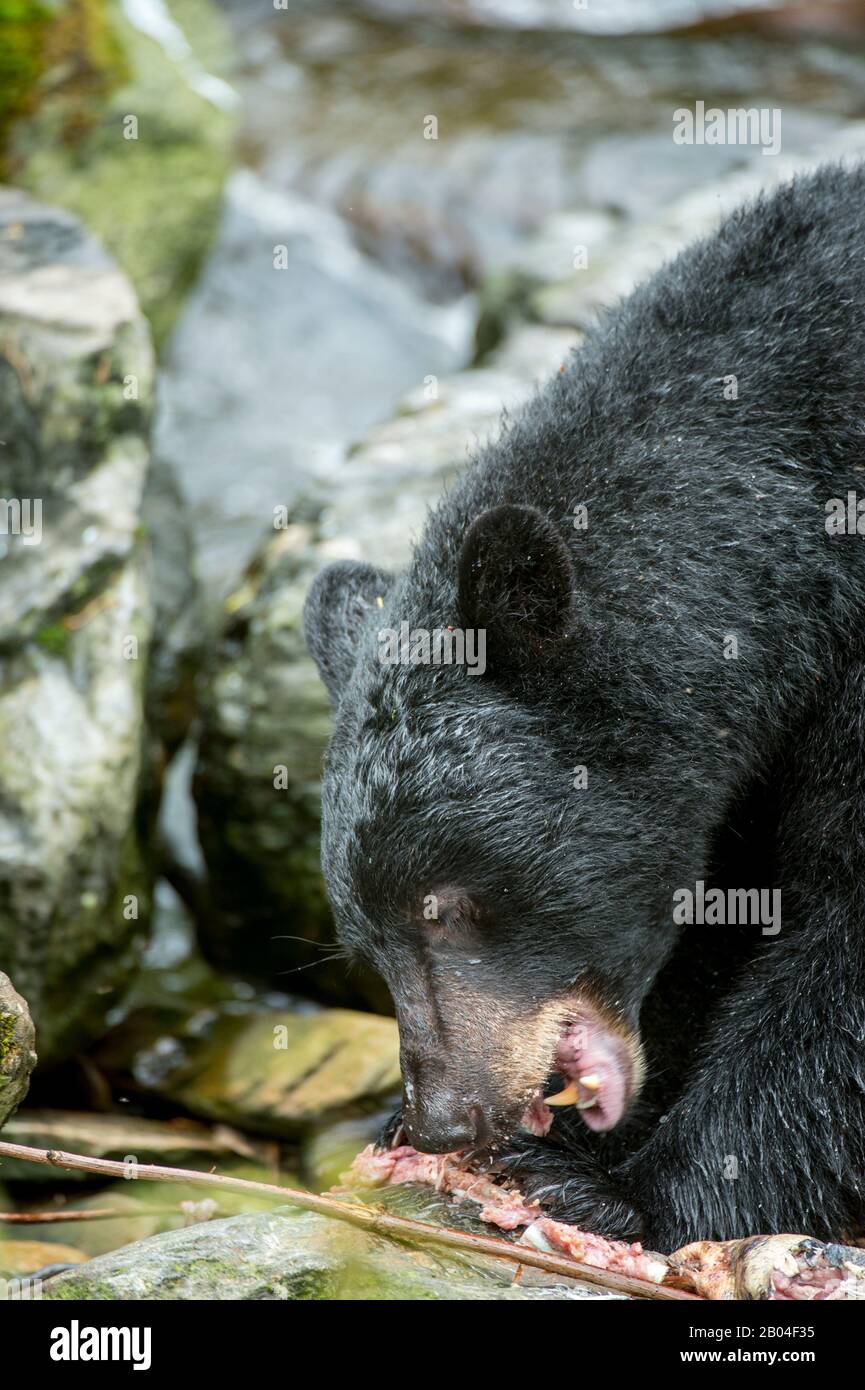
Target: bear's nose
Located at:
point(443, 1125)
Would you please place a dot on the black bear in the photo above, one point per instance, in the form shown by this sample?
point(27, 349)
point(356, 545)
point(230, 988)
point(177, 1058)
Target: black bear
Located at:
point(620, 853)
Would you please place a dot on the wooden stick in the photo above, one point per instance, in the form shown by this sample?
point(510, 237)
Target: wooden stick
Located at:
point(367, 1218)
point(47, 1218)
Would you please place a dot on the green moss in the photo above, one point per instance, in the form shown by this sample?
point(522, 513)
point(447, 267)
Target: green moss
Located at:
point(96, 1292)
point(7, 1039)
point(68, 51)
point(84, 64)
point(23, 30)
point(54, 638)
point(75, 74)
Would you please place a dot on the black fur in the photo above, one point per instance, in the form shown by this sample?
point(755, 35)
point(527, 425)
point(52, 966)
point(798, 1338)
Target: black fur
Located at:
point(705, 518)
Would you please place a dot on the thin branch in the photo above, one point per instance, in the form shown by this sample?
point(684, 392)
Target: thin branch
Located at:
point(367, 1218)
point(48, 1218)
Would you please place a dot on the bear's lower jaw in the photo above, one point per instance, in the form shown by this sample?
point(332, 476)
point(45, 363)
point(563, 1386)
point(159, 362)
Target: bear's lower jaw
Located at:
point(600, 1068)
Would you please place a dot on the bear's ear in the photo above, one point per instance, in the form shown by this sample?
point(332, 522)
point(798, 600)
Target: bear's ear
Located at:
point(516, 582)
point(337, 607)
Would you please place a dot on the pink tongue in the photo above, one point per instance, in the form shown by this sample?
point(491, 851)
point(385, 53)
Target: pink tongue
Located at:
point(590, 1050)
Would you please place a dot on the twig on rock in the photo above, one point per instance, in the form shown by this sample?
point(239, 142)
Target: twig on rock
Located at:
point(367, 1218)
point(48, 1218)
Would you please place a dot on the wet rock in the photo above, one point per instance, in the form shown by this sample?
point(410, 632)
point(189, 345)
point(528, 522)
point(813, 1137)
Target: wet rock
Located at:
point(636, 251)
point(272, 1072)
point(177, 646)
point(641, 174)
point(505, 330)
point(263, 381)
point(286, 1255)
point(613, 17)
point(440, 212)
point(135, 95)
point(265, 713)
point(75, 619)
point(531, 122)
point(17, 1057)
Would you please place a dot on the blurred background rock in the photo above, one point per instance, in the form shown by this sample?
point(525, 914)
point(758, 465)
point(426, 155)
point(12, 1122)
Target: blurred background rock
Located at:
point(252, 320)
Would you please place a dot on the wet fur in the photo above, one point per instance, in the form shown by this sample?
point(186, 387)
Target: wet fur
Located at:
point(706, 517)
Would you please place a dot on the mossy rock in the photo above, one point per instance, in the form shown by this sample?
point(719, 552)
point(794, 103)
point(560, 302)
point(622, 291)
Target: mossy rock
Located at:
point(271, 1072)
point(76, 371)
point(95, 115)
point(17, 1057)
point(23, 31)
point(290, 1255)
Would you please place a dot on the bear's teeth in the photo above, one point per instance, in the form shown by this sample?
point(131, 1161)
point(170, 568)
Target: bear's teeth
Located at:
point(572, 1094)
point(569, 1096)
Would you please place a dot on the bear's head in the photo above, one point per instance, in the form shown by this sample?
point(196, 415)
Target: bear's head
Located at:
point(486, 841)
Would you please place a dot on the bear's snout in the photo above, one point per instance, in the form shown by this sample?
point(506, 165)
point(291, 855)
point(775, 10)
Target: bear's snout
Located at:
point(444, 1109)
point(444, 1123)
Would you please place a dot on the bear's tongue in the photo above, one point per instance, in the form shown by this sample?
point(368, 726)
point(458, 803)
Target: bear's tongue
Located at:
point(596, 1068)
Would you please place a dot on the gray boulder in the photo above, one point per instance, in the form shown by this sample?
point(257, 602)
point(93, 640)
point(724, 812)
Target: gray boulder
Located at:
point(178, 638)
point(286, 1254)
point(76, 617)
